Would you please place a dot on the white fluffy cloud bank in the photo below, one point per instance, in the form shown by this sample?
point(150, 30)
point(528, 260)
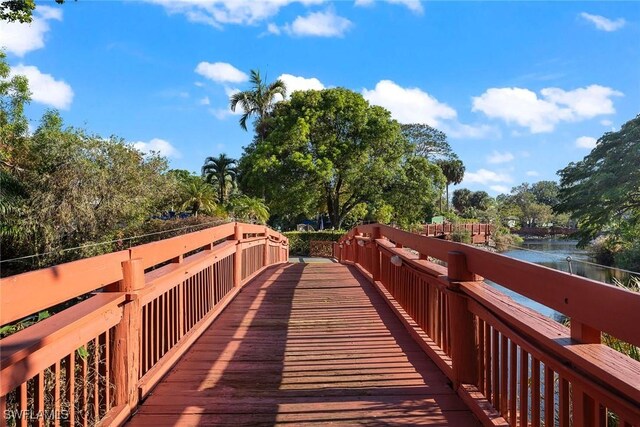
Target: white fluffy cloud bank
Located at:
point(221, 72)
point(586, 142)
point(485, 176)
point(414, 105)
point(160, 146)
point(413, 5)
point(217, 13)
point(541, 114)
point(295, 83)
point(316, 24)
point(409, 105)
point(602, 23)
point(496, 157)
point(44, 88)
point(19, 39)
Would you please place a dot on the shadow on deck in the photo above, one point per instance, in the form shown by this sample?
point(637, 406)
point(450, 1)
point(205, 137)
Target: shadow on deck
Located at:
point(305, 343)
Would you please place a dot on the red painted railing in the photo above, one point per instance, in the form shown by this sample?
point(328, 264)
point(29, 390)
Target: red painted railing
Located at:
point(511, 365)
point(480, 233)
point(93, 362)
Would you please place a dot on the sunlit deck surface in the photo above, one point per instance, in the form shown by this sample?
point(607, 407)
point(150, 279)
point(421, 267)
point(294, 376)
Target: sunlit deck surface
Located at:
point(305, 344)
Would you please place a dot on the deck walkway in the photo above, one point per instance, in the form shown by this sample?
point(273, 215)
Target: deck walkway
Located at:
point(305, 343)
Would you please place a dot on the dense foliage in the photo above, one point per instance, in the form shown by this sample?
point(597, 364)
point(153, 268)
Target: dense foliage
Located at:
point(330, 151)
point(602, 192)
point(62, 187)
point(299, 240)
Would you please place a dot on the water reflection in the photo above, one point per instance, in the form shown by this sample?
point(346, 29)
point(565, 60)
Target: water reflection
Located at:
point(553, 253)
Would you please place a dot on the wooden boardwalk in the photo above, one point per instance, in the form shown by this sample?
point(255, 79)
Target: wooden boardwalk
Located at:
point(305, 344)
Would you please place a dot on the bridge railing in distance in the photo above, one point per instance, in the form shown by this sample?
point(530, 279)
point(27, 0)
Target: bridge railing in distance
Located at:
point(94, 361)
point(512, 365)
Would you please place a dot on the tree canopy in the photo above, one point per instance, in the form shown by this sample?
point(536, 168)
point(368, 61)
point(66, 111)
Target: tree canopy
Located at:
point(427, 141)
point(220, 171)
point(330, 151)
point(18, 10)
point(453, 170)
point(602, 191)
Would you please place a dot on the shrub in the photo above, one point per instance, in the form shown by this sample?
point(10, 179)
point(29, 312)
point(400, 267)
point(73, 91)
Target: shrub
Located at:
point(462, 236)
point(299, 240)
point(503, 240)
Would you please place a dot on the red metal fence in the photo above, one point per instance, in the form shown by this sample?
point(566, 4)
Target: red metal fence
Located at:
point(94, 361)
point(512, 365)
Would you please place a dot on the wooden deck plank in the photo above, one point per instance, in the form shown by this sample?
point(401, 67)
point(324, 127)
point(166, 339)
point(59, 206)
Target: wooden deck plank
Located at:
point(305, 344)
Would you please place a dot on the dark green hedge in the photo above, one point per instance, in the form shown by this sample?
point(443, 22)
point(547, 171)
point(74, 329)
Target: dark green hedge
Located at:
point(299, 240)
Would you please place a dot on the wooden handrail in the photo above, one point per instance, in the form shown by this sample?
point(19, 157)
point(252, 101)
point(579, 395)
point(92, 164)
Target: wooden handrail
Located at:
point(150, 303)
point(497, 351)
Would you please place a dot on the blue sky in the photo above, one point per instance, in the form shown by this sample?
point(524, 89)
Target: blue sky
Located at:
point(520, 88)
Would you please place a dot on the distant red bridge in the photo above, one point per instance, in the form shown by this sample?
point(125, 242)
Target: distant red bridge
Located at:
point(479, 232)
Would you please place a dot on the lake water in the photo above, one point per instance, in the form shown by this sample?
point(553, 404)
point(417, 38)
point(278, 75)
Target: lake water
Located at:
point(553, 253)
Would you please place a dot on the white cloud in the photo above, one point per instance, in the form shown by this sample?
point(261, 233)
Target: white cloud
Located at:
point(230, 91)
point(273, 29)
point(484, 176)
point(496, 157)
point(524, 108)
point(586, 142)
point(221, 72)
point(19, 39)
point(44, 88)
point(164, 148)
point(502, 189)
point(205, 101)
point(295, 83)
point(409, 105)
point(413, 5)
point(603, 23)
point(606, 122)
point(217, 13)
point(532, 173)
point(225, 113)
point(198, 84)
point(317, 24)
point(460, 130)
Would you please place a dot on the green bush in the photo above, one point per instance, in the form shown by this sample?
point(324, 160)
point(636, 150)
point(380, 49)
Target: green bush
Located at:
point(503, 240)
point(462, 236)
point(299, 240)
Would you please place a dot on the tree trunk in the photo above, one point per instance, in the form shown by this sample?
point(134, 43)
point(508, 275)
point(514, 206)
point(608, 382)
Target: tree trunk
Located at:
point(447, 197)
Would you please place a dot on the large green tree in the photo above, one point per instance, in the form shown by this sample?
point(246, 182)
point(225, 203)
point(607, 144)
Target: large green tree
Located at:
point(326, 151)
point(220, 171)
point(602, 191)
point(427, 141)
point(258, 101)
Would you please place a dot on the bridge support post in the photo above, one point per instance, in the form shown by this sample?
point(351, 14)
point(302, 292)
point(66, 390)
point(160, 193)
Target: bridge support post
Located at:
point(585, 411)
point(356, 247)
point(237, 259)
point(126, 338)
point(464, 352)
point(375, 254)
point(265, 252)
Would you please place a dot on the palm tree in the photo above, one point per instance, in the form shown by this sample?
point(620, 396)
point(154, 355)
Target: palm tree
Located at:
point(249, 209)
point(198, 196)
point(453, 171)
point(257, 101)
point(222, 171)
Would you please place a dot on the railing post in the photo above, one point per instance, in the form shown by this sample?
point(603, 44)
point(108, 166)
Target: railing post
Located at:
point(464, 352)
point(375, 254)
point(237, 264)
point(265, 252)
point(585, 411)
point(125, 359)
point(355, 245)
